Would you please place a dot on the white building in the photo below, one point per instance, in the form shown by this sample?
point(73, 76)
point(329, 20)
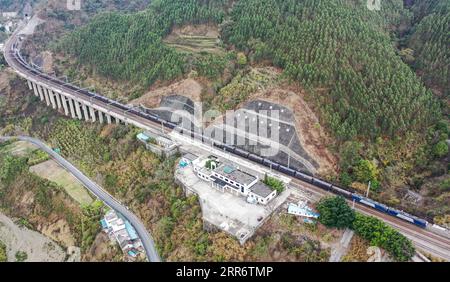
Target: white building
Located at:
point(225, 177)
point(121, 230)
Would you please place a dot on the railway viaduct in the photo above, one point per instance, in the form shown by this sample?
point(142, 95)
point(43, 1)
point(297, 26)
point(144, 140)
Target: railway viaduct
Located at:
point(68, 98)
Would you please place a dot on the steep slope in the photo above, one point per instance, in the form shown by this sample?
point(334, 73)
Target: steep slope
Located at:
point(430, 42)
point(342, 53)
point(129, 47)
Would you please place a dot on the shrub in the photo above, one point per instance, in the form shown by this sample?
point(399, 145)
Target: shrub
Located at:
point(274, 183)
point(21, 256)
point(440, 149)
point(384, 236)
point(366, 171)
point(334, 212)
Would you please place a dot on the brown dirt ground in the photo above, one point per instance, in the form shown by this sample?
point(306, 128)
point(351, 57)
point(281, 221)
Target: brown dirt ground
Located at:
point(187, 87)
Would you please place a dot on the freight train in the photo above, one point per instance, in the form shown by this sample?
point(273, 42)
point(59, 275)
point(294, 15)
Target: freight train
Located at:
point(232, 149)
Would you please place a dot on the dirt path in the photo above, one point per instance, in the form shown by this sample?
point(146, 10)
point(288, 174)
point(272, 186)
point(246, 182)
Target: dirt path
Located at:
point(341, 248)
point(37, 246)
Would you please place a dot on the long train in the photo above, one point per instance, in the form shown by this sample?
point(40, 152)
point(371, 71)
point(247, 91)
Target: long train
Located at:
point(232, 149)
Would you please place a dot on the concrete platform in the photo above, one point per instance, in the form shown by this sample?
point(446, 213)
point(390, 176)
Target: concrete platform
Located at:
point(228, 212)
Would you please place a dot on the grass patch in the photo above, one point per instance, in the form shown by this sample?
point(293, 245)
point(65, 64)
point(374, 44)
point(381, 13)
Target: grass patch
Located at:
point(50, 170)
point(19, 148)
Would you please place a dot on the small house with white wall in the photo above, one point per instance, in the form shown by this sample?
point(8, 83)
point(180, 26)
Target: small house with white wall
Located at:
point(226, 177)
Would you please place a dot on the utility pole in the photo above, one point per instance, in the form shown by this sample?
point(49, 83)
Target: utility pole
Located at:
point(289, 159)
point(368, 189)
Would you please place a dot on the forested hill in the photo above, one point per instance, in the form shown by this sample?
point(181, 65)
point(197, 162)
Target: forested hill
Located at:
point(129, 46)
point(430, 44)
point(346, 51)
point(339, 46)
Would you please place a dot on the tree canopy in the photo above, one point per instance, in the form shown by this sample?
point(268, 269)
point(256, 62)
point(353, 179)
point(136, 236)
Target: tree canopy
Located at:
point(334, 212)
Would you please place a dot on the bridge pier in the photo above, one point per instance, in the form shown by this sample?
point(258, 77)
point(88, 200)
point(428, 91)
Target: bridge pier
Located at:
point(58, 99)
point(92, 110)
point(72, 109)
point(108, 119)
point(52, 97)
point(78, 109)
point(64, 104)
point(29, 85)
point(85, 111)
point(37, 92)
point(45, 94)
point(33, 85)
point(100, 117)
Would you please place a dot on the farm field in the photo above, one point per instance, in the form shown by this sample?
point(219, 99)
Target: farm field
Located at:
point(50, 170)
point(19, 148)
point(195, 39)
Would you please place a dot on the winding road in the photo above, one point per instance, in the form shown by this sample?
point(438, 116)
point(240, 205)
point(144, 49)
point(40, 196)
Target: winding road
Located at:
point(144, 235)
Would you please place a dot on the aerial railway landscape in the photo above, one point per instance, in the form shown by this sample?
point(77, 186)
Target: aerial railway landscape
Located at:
point(261, 189)
point(435, 243)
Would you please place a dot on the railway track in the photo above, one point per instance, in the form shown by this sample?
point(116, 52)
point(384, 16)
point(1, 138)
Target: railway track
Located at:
point(441, 244)
point(423, 239)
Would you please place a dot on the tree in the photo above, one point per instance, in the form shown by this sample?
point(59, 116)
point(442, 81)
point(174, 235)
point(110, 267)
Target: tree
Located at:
point(440, 149)
point(3, 256)
point(366, 171)
point(241, 59)
point(274, 183)
point(384, 236)
point(21, 256)
point(334, 212)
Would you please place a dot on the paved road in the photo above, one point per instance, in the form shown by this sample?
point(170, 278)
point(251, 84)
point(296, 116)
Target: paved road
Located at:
point(435, 244)
point(145, 236)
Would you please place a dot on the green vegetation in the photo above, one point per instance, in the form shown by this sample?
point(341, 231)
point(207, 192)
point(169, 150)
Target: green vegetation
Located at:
point(241, 86)
point(21, 256)
point(430, 44)
point(211, 66)
point(305, 250)
point(37, 157)
point(130, 47)
point(10, 167)
point(366, 90)
point(274, 184)
point(440, 149)
point(90, 223)
point(381, 235)
point(334, 212)
point(3, 256)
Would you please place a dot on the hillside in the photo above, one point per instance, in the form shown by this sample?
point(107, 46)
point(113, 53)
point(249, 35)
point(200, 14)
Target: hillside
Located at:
point(430, 41)
point(122, 46)
point(386, 124)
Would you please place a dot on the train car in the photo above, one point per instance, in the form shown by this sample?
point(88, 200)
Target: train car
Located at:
point(368, 202)
point(255, 158)
point(407, 217)
point(287, 170)
point(303, 177)
point(170, 125)
point(420, 222)
point(241, 152)
point(322, 184)
point(219, 145)
point(229, 148)
point(271, 164)
point(341, 191)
